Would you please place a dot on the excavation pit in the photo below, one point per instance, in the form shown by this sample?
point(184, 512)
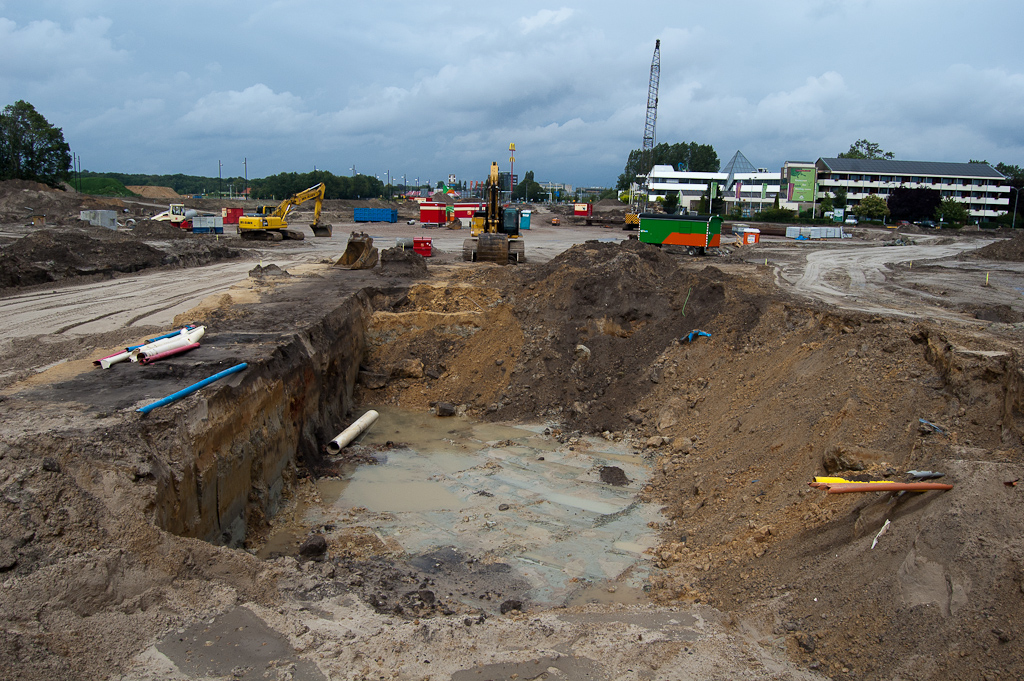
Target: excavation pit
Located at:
point(497, 494)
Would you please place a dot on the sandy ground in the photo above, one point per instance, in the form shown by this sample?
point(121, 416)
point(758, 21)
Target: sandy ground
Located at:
point(850, 358)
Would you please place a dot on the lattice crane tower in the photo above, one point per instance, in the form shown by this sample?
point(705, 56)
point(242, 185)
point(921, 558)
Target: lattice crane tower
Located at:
point(647, 154)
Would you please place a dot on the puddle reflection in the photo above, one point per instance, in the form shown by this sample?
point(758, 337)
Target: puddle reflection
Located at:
point(510, 493)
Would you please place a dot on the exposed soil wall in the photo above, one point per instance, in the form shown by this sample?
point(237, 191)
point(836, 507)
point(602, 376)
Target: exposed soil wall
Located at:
point(241, 446)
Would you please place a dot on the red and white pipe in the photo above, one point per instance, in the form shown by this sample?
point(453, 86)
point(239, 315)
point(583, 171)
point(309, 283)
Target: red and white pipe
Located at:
point(149, 359)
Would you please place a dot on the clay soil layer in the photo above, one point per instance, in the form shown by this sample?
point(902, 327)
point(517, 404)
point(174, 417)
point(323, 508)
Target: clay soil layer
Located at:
point(126, 554)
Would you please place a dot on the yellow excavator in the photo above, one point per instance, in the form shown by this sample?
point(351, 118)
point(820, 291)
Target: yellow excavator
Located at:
point(495, 229)
point(271, 224)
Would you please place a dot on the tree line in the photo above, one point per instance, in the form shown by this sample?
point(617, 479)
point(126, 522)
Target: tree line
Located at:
point(31, 148)
point(692, 157)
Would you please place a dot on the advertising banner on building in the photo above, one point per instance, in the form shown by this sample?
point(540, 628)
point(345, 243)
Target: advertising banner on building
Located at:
point(801, 184)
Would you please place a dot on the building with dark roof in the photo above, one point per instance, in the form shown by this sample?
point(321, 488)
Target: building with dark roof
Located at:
point(983, 189)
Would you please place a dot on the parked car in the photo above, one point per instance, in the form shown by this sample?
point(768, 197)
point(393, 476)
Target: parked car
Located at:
point(928, 223)
point(902, 223)
point(851, 220)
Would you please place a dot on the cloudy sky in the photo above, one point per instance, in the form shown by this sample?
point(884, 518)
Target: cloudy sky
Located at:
point(428, 89)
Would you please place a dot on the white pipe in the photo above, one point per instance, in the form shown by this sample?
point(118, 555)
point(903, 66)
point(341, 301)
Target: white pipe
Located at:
point(352, 432)
point(186, 337)
point(106, 362)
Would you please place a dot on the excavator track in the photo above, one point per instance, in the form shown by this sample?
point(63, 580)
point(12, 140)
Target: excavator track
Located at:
point(516, 251)
point(492, 248)
point(260, 235)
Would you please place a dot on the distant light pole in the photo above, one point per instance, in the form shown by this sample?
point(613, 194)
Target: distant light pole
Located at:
point(220, 190)
point(1013, 221)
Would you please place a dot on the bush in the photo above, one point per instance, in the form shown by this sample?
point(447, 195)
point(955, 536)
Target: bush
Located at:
point(101, 186)
point(775, 215)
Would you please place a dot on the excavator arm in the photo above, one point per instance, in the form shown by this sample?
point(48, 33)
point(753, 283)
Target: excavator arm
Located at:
point(278, 218)
point(314, 192)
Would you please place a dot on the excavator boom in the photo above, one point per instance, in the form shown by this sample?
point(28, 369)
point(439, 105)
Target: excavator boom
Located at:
point(271, 225)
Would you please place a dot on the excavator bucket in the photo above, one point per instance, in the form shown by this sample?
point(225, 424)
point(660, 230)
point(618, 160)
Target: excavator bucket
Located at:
point(492, 248)
point(360, 254)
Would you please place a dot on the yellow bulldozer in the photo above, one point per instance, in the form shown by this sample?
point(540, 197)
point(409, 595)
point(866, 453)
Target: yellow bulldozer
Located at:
point(495, 229)
point(271, 224)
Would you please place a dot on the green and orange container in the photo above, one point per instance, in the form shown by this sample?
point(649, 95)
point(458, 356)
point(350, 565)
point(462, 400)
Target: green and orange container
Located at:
point(695, 232)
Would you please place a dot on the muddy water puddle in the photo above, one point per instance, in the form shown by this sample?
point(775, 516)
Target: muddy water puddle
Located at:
point(499, 493)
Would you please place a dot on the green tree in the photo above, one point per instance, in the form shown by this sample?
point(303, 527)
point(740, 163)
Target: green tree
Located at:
point(698, 158)
point(671, 203)
point(867, 150)
point(952, 212)
point(871, 208)
point(528, 189)
point(31, 148)
point(826, 204)
point(913, 204)
point(840, 197)
point(1014, 173)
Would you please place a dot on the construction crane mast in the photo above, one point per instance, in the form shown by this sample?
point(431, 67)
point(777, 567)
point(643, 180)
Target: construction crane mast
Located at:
point(647, 154)
point(647, 151)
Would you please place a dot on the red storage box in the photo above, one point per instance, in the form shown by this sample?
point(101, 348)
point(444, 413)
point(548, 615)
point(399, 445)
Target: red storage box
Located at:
point(422, 246)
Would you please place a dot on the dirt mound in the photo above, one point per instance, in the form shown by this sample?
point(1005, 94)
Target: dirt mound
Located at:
point(50, 255)
point(1006, 250)
point(400, 262)
point(158, 229)
point(149, 192)
point(20, 199)
point(8, 187)
point(53, 255)
point(577, 338)
point(737, 423)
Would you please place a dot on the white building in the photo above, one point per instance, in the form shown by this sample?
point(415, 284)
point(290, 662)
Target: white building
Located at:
point(983, 189)
point(752, 191)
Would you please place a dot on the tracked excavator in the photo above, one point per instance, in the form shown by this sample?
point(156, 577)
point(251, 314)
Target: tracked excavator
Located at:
point(495, 229)
point(271, 224)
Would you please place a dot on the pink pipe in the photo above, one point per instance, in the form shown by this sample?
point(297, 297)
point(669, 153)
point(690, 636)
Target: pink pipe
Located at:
point(168, 353)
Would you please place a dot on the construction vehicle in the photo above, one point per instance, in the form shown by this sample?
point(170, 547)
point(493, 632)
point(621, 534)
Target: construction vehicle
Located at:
point(495, 229)
point(271, 224)
point(177, 215)
point(638, 203)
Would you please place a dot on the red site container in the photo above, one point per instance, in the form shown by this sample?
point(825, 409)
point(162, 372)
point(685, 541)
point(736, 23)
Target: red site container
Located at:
point(583, 209)
point(466, 210)
point(422, 246)
point(433, 213)
point(231, 215)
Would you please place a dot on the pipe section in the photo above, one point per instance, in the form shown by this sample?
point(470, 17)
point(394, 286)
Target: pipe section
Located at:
point(352, 432)
point(171, 334)
point(183, 338)
point(110, 360)
point(149, 359)
point(191, 389)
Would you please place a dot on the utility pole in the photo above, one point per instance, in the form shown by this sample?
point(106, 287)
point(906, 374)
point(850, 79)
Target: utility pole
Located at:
point(220, 190)
point(1013, 221)
point(245, 164)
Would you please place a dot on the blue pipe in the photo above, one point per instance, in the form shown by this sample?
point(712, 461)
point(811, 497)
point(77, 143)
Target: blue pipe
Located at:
point(191, 389)
point(168, 335)
point(151, 340)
